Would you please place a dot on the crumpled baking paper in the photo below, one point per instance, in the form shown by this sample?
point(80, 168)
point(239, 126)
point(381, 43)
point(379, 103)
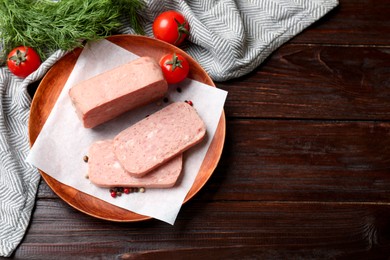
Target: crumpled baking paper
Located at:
point(63, 141)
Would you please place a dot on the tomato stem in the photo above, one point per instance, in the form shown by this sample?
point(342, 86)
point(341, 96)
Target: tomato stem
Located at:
point(19, 57)
point(181, 29)
point(175, 62)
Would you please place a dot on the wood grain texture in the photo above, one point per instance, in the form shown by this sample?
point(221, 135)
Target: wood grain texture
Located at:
point(322, 82)
point(305, 168)
point(302, 160)
point(359, 22)
point(240, 229)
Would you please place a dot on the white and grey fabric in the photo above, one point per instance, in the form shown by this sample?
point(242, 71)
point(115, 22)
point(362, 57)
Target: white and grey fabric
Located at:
point(229, 38)
point(18, 180)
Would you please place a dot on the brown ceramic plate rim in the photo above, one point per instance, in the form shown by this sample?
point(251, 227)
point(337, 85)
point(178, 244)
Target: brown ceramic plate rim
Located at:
point(51, 86)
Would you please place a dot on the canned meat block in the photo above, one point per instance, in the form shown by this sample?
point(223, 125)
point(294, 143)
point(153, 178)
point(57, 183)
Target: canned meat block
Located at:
point(108, 95)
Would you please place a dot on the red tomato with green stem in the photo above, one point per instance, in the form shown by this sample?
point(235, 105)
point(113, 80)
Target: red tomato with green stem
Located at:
point(172, 27)
point(22, 61)
point(174, 67)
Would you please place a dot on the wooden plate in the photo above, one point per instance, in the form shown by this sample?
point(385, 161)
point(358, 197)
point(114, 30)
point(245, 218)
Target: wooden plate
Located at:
point(50, 88)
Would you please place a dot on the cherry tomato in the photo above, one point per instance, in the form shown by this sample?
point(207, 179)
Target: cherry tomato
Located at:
point(22, 61)
point(174, 67)
point(171, 27)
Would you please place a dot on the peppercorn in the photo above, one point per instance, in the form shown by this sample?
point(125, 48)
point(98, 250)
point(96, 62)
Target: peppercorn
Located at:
point(189, 102)
point(113, 194)
point(142, 190)
point(85, 158)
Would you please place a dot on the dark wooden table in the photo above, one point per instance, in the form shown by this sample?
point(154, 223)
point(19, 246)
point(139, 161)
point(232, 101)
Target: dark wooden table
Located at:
point(305, 171)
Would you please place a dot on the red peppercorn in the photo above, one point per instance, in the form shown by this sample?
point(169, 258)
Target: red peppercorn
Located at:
point(189, 102)
point(126, 190)
point(113, 194)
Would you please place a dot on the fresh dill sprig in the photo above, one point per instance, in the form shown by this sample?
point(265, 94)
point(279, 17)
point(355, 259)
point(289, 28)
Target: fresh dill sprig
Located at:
point(47, 25)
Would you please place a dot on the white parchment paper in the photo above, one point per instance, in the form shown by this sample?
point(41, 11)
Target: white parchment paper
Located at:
point(63, 141)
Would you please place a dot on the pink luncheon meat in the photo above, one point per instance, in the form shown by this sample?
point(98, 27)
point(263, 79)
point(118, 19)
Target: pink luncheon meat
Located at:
point(106, 171)
point(158, 138)
point(116, 91)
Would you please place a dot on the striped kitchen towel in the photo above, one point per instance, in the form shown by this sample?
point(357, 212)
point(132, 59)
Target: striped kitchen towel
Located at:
point(229, 38)
point(18, 180)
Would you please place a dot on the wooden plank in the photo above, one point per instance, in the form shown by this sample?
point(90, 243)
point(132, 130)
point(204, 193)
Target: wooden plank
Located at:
point(353, 22)
point(303, 161)
point(323, 82)
point(288, 160)
point(246, 228)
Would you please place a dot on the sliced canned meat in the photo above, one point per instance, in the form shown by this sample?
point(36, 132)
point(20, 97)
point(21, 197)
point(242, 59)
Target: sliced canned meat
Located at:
point(158, 138)
point(104, 170)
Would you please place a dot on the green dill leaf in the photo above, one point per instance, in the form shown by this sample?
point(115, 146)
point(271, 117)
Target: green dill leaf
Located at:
point(47, 25)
